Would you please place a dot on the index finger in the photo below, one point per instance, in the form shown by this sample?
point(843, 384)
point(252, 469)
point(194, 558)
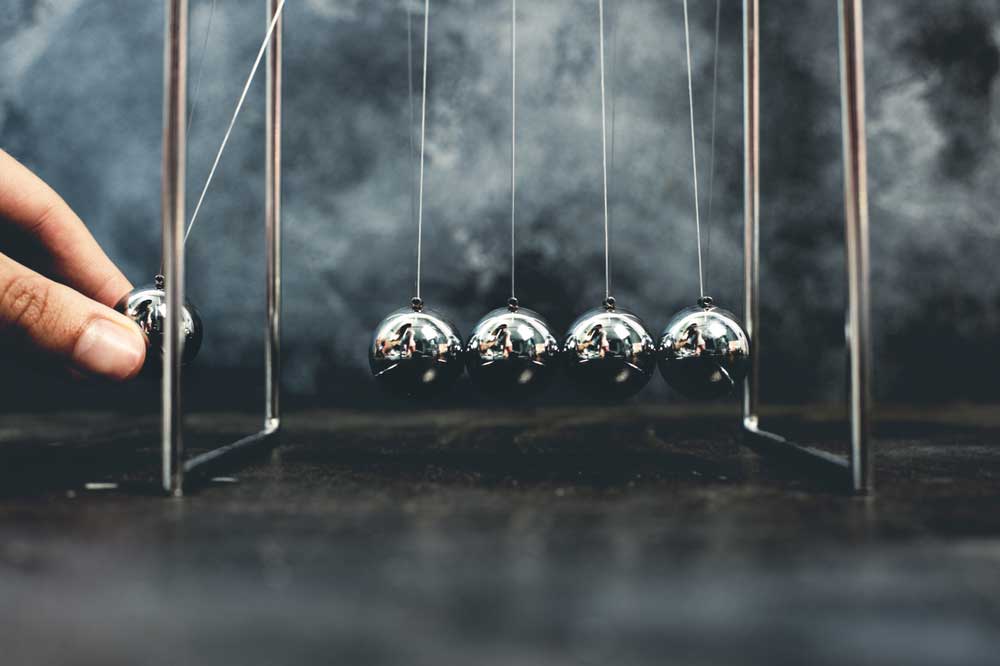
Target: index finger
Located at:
point(31, 205)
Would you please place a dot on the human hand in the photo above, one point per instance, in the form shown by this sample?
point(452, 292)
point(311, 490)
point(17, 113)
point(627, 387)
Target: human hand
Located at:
point(61, 308)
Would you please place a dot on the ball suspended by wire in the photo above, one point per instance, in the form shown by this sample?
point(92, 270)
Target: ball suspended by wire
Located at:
point(415, 352)
point(511, 352)
point(609, 352)
point(147, 307)
point(704, 352)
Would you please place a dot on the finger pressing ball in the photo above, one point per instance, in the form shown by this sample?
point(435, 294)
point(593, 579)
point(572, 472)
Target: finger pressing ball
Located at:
point(512, 352)
point(415, 353)
point(147, 307)
point(609, 352)
point(704, 352)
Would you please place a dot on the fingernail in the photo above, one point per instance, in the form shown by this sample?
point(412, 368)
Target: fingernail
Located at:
point(110, 350)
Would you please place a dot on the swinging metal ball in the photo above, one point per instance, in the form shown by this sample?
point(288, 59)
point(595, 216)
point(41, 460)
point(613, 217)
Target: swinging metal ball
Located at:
point(147, 307)
point(609, 352)
point(704, 351)
point(512, 352)
point(415, 352)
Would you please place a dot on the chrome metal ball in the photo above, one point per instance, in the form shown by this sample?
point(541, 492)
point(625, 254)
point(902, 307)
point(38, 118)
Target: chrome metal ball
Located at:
point(609, 352)
point(415, 352)
point(147, 307)
point(511, 352)
point(704, 352)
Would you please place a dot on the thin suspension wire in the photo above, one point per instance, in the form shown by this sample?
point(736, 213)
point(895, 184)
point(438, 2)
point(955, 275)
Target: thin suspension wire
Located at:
point(694, 154)
point(612, 172)
point(604, 157)
point(513, 137)
point(409, 128)
point(201, 66)
point(423, 136)
point(236, 113)
point(711, 166)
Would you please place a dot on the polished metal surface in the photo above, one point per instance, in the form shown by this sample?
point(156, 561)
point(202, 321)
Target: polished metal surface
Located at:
point(272, 221)
point(147, 307)
point(512, 352)
point(415, 353)
point(173, 219)
point(703, 352)
point(852, 97)
point(751, 204)
point(610, 353)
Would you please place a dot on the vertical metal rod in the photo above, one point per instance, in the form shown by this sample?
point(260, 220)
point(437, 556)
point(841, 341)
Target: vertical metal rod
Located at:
point(852, 95)
point(272, 223)
point(751, 204)
point(172, 211)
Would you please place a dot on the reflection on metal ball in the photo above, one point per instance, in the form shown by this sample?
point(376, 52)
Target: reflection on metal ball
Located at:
point(609, 352)
point(415, 352)
point(147, 307)
point(512, 352)
point(704, 351)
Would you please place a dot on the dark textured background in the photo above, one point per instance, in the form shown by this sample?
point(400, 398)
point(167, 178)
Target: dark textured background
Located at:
point(80, 101)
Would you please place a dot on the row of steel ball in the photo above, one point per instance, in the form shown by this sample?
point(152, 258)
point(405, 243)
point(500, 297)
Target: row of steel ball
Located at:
point(702, 353)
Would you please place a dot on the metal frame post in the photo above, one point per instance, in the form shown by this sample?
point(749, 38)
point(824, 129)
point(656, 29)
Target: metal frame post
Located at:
point(852, 96)
point(751, 202)
point(272, 224)
point(173, 217)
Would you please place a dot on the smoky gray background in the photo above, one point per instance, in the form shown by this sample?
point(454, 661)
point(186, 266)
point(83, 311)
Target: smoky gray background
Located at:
point(80, 103)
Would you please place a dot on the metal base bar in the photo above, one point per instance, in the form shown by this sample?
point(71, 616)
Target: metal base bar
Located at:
point(818, 464)
point(203, 466)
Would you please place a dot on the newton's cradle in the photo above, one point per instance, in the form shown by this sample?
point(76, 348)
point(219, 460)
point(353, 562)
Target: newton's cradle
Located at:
point(702, 350)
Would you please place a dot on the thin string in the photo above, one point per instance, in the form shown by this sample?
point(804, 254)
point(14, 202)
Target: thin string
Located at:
point(612, 173)
point(409, 128)
point(201, 67)
point(694, 154)
point(423, 136)
point(711, 167)
point(513, 136)
point(604, 157)
point(236, 113)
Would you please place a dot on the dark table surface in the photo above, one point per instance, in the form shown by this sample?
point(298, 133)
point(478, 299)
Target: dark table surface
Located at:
point(562, 536)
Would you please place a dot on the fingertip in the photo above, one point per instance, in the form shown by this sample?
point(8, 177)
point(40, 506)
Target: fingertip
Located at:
point(140, 345)
point(114, 349)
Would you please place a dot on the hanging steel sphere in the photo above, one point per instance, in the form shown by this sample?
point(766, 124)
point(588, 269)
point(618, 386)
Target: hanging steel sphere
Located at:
point(512, 352)
point(147, 307)
point(415, 352)
point(704, 352)
point(609, 352)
